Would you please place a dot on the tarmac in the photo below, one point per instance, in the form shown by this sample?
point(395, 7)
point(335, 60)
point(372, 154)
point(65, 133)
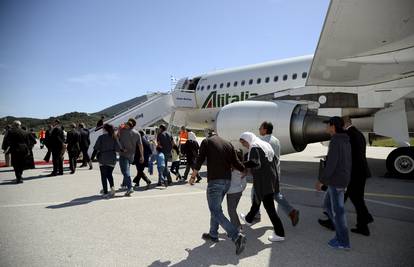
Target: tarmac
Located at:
point(63, 221)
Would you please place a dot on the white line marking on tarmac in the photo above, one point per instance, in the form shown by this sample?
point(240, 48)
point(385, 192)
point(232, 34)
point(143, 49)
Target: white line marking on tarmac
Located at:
point(389, 204)
point(98, 198)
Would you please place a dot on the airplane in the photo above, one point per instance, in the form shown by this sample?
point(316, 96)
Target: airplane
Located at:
point(363, 67)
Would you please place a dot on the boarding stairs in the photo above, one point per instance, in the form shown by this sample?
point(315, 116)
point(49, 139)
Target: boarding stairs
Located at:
point(155, 108)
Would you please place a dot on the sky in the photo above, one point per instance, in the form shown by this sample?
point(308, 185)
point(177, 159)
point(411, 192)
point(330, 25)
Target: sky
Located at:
point(59, 56)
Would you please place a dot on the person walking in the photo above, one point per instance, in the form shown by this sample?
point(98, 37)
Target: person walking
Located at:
point(220, 156)
point(57, 146)
point(263, 166)
point(129, 139)
point(165, 142)
point(359, 174)
point(175, 162)
point(6, 149)
point(266, 131)
point(141, 166)
point(191, 148)
point(17, 142)
point(84, 146)
point(73, 146)
point(31, 137)
point(237, 186)
point(160, 167)
point(107, 145)
point(336, 176)
point(47, 143)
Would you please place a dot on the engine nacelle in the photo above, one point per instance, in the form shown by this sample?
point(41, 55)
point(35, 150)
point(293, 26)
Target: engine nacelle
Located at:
point(294, 124)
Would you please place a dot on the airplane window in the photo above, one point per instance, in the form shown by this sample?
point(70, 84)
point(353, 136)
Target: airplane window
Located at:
point(285, 77)
point(304, 74)
point(221, 85)
point(267, 79)
point(228, 84)
point(208, 87)
point(251, 81)
point(242, 83)
point(202, 88)
point(215, 86)
point(276, 78)
point(235, 84)
point(259, 80)
point(294, 76)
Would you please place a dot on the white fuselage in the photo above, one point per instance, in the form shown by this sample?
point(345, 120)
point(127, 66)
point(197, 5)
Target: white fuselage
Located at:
point(219, 88)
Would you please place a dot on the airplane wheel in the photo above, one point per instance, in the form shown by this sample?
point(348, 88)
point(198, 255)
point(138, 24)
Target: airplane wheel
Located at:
point(400, 162)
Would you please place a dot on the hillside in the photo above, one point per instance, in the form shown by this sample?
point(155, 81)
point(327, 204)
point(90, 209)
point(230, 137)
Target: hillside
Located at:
point(89, 119)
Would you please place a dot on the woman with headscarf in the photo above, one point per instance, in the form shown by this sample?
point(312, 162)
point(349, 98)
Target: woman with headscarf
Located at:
point(262, 163)
point(191, 152)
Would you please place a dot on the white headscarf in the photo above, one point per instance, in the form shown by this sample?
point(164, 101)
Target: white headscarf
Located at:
point(192, 136)
point(254, 141)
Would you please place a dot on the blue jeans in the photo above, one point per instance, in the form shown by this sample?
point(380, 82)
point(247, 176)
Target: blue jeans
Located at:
point(124, 165)
point(161, 177)
point(151, 164)
point(334, 206)
point(216, 190)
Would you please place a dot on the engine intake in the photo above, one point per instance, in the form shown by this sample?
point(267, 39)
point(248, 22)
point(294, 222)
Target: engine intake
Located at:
point(294, 124)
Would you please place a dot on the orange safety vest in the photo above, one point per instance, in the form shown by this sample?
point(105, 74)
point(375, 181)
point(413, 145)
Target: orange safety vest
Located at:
point(183, 137)
point(42, 134)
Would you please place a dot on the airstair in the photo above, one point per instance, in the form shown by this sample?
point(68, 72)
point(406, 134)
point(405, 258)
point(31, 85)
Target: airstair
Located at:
point(157, 106)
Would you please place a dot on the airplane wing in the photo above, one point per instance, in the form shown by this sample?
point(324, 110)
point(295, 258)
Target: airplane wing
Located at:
point(364, 42)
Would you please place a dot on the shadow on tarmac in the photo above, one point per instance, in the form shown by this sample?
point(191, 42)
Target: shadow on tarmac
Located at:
point(77, 202)
point(222, 253)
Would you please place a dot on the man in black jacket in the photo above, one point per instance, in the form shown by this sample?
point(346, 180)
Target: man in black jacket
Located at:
point(73, 140)
point(16, 140)
point(360, 172)
point(84, 145)
point(221, 157)
point(57, 146)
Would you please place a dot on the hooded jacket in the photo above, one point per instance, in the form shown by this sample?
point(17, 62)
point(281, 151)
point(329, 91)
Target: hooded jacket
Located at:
point(337, 171)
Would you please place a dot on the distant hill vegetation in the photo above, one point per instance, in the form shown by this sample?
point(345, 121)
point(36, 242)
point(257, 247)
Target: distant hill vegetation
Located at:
point(90, 120)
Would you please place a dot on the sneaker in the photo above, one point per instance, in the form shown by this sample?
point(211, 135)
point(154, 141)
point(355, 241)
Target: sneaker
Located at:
point(240, 243)
point(101, 192)
point(123, 187)
point(198, 180)
point(148, 185)
point(334, 243)
point(166, 184)
point(129, 192)
point(294, 217)
point(112, 192)
point(207, 236)
point(275, 238)
point(243, 217)
point(327, 223)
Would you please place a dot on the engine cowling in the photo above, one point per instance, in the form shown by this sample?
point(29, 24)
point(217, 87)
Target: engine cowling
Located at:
point(294, 124)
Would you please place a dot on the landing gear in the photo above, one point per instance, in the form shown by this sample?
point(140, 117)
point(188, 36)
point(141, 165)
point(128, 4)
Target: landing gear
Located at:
point(400, 162)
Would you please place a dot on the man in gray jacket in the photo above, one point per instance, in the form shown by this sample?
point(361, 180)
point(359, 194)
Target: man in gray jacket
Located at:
point(129, 139)
point(336, 176)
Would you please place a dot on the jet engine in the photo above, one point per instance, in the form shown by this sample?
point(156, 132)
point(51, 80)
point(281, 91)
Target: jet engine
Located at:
point(294, 124)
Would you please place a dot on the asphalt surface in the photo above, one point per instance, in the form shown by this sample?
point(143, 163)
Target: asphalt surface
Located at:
point(63, 221)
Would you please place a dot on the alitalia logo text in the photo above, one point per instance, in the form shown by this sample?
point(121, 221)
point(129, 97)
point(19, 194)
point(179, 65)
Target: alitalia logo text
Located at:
point(215, 100)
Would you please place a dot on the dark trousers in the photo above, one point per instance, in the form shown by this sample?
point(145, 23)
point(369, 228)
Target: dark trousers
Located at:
point(141, 174)
point(189, 167)
point(166, 173)
point(268, 203)
point(106, 175)
point(73, 156)
point(85, 156)
point(57, 161)
point(47, 156)
point(175, 168)
point(18, 171)
point(355, 192)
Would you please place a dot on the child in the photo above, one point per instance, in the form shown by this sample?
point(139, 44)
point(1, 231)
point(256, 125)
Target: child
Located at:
point(160, 166)
point(175, 166)
point(237, 186)
point(152, 157)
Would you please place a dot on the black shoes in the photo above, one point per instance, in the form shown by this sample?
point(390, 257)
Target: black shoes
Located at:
point(294, 217)
point(240, 243)
point(198, 179)
point(208, 237)
point(327, 223)
point(363, 230)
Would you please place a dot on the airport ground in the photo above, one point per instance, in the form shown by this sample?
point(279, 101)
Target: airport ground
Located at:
point(63, 221)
